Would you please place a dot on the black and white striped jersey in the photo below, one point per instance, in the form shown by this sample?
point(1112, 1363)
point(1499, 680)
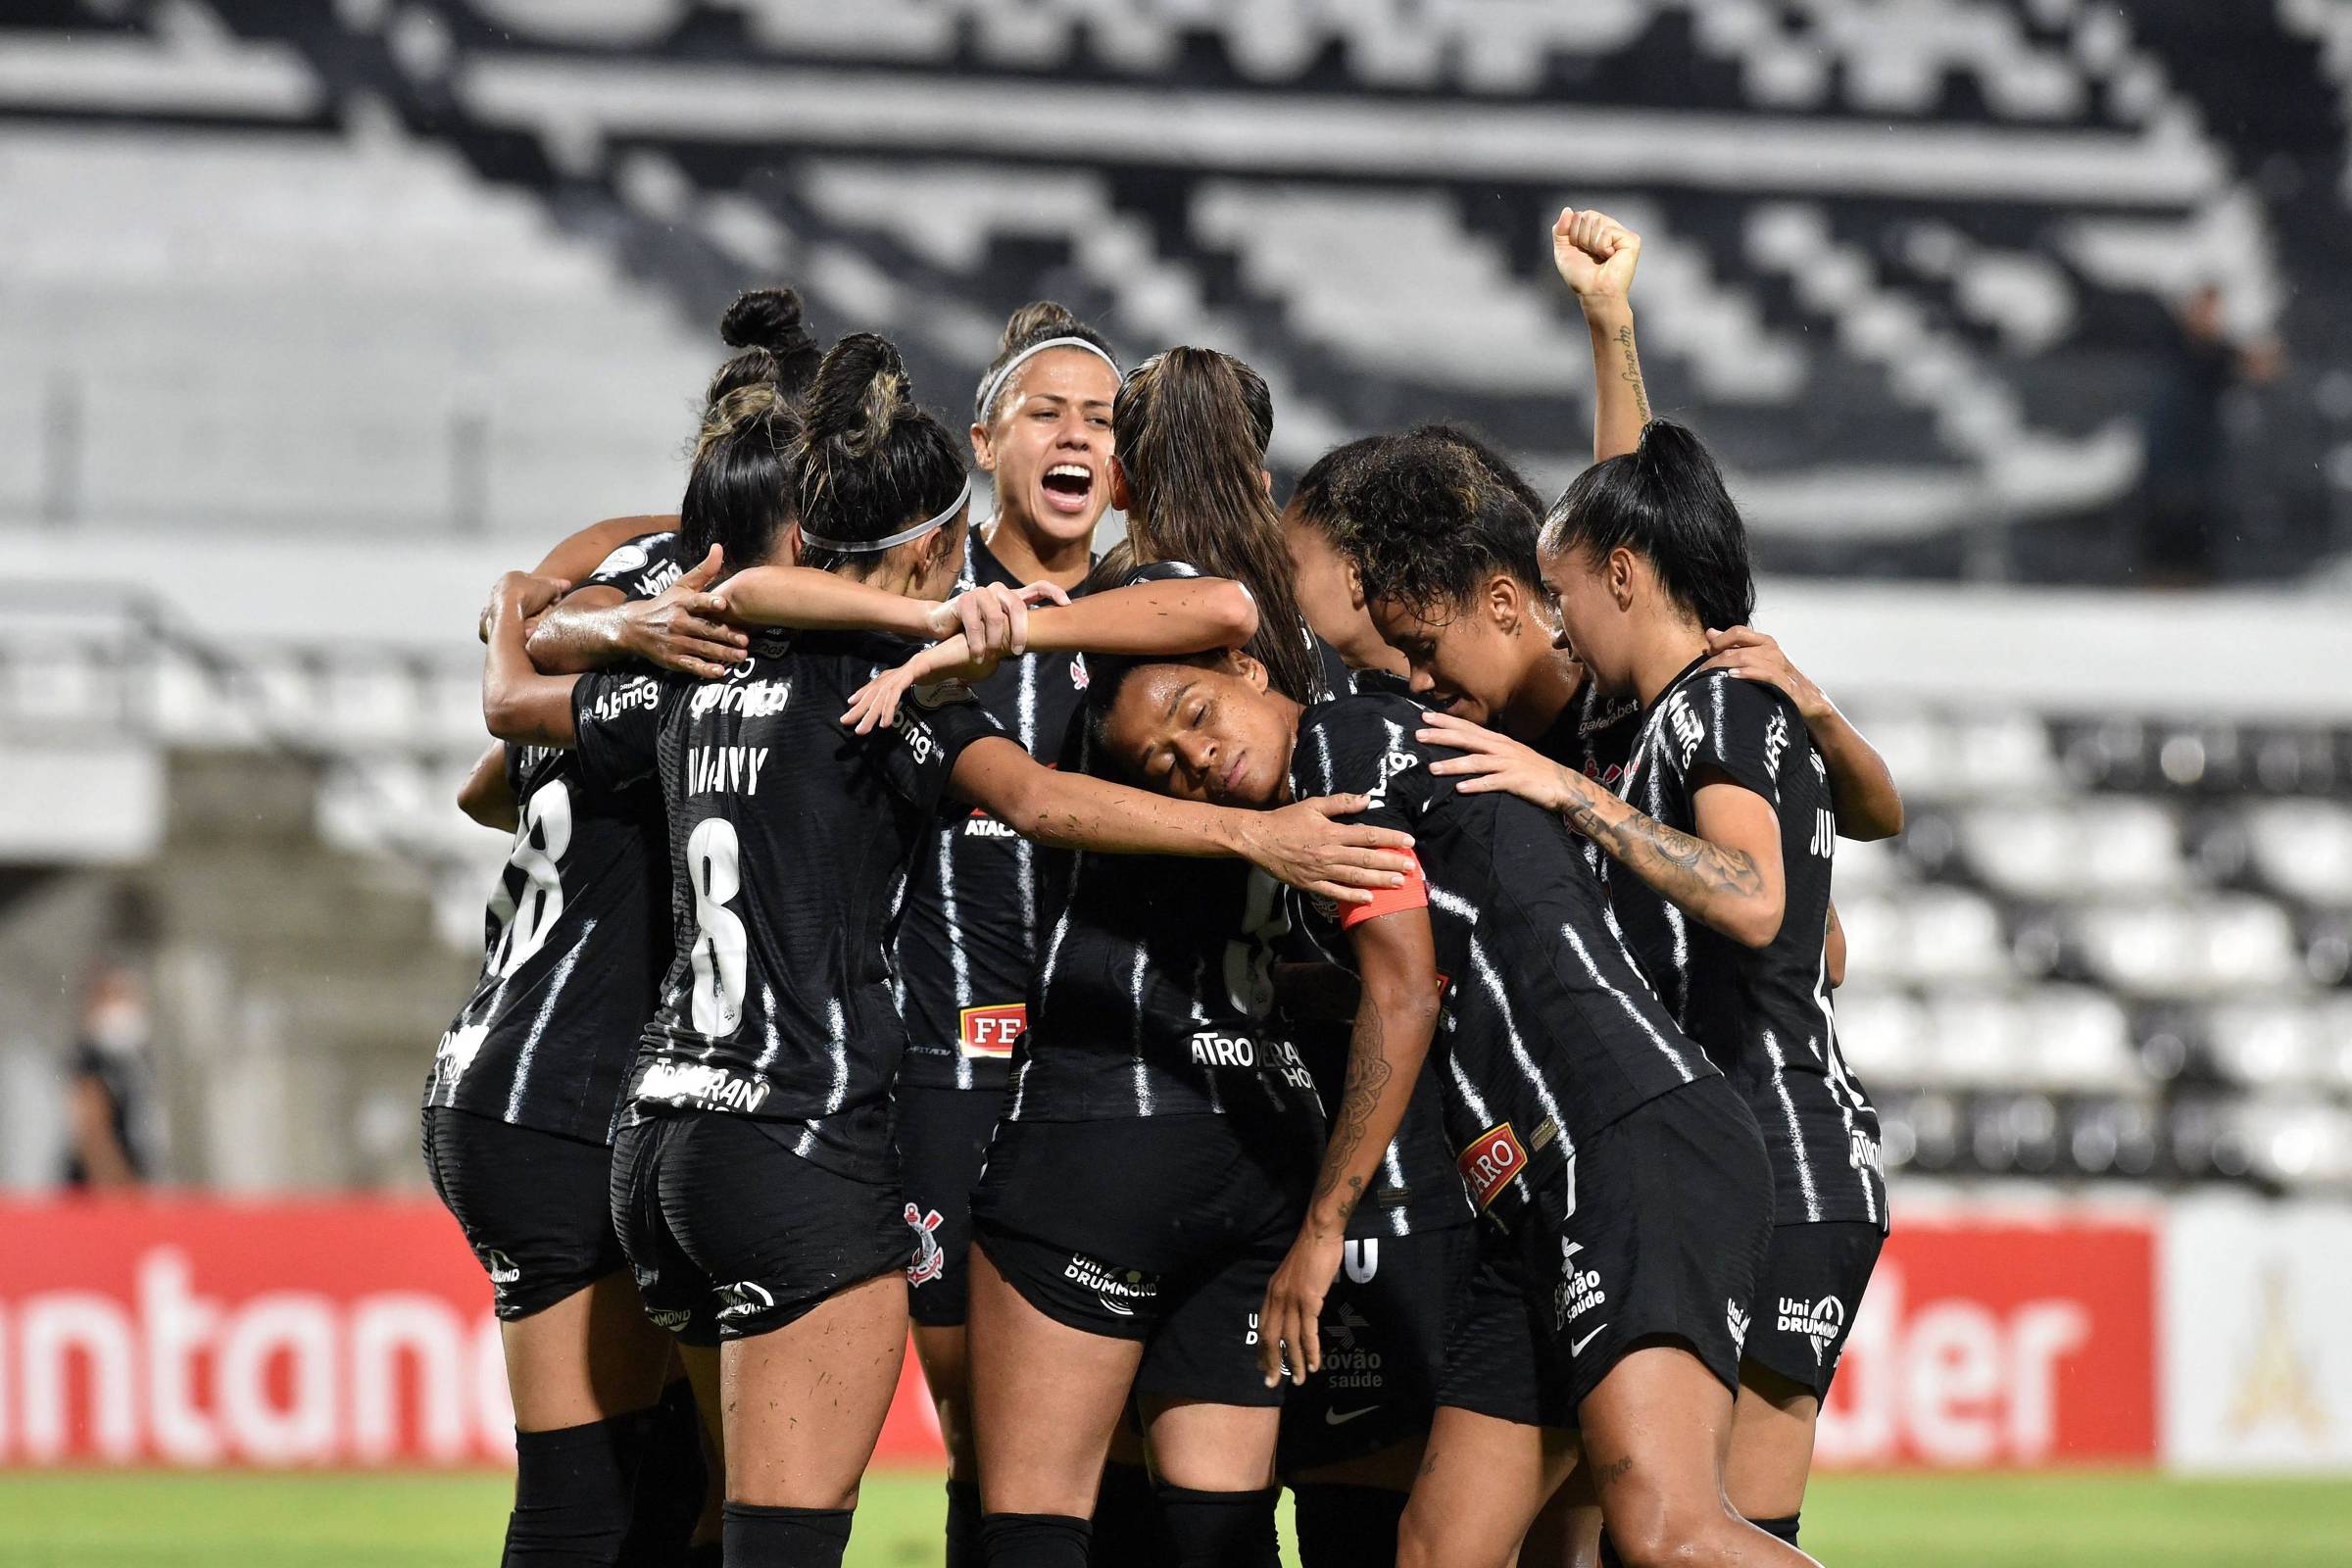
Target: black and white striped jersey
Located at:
point(1418, 1188)
point(1764, 1014)
point(576, 935)
point(1548, 1033)
point(1155, 994)
point(969, 934)
point(789, 834)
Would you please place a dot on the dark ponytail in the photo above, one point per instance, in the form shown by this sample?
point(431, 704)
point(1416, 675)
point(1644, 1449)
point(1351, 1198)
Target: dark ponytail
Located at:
point(1427, 518)
point(776, 347)
point(870, 462)
point(739, 491)
point(1040, 322)
point(1666, 502)
point(1189, 429)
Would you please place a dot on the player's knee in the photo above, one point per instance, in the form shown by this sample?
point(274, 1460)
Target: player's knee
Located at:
point(1651, 1530)
point(573, 1492)
point(757, 1537)
point(1220, 1529)
point(1344, 1526)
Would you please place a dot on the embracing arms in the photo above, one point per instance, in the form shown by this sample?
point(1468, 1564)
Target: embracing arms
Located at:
point(1299, 845)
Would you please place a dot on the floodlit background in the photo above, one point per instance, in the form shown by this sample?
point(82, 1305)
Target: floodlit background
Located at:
point(2021, 326)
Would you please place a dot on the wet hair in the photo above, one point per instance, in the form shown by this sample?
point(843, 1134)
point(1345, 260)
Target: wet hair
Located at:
point(739, 491)
point(1313, 499)
point(1498, 468)
point(1040, 322)
point(869, 461)
point(1665, 501)
point(1106, 676)
point(1425, 520)
point(1189, 429)
point(776, 346)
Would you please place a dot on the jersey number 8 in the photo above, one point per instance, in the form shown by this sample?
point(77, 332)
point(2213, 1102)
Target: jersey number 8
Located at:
point(545, 834)
point(713, 853)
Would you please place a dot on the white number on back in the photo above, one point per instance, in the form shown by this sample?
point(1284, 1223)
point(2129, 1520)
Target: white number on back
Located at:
point(539, 843)
point(712, 864)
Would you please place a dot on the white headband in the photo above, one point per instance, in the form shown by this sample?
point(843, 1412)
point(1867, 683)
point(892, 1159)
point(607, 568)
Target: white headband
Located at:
point(868, 547)
point(996, 383)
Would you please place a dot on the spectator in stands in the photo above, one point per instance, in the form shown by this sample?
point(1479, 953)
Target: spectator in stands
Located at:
point(2183, 502)
point(111, 1087)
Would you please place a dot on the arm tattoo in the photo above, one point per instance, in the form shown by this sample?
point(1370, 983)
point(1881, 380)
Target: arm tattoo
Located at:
point(1683, 869)
point(1631, 372)
point(1368, 1073)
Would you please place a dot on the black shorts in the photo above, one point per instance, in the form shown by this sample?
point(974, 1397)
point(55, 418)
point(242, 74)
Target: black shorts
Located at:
point(1812, 1284)
point(1162, 1229)
point(1655, 1230)
point(730, 1234)
point(943, 1137)
point(1383, 1333)
point(531, 1203)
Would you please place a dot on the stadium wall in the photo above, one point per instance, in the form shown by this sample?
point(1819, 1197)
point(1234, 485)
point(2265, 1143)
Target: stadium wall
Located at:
point(2196, 1335)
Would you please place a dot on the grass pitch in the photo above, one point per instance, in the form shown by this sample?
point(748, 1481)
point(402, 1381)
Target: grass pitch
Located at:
point(160, 1520)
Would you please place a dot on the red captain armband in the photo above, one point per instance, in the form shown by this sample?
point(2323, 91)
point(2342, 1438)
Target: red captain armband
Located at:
point(1412, 893)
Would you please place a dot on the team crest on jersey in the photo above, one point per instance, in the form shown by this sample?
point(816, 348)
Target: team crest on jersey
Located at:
point(989, 1032)
point(930, 1258)
point(1489, 1164)
point(628, 558)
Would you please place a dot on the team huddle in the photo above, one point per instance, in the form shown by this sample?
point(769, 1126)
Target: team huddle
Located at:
point(1332, 996)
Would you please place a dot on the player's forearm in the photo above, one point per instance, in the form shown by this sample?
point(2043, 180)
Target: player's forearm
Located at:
point(1070, 811)
point(1394, 1023)
point(486, 796)
point(1723, 889)
point(585, 631)
point(1861, 786)
point(518, 703)
point(1182, 615)
point(1620, 403)
point(808, 600)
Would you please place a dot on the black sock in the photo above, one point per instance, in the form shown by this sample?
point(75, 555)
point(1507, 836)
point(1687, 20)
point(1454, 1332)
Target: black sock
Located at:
point(1220, 1529)
point(1127, 1530)
point(964, 1524)
point(573, 1488)
point(1783, 1528)
point(760, 1537)
point(1032, 1540)
point(1344, 1526)
point(672, 1483)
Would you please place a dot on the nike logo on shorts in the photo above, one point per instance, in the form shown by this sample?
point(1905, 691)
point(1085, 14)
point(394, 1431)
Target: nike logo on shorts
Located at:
point(1336, 1418)
point(1577, 1348)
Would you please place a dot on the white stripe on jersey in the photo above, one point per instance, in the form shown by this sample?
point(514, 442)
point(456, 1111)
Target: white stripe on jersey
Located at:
point(1842, 1088)
point(1216, 1100)
point(1796, 1131)
point(1399, 1225)
point(774, 1043)
point(838, 1047)
point(1493, 981)
point(1024, 853)
point(958, 959)
point(546, 1009)
point(1135, 1011)
point(1633, 1009)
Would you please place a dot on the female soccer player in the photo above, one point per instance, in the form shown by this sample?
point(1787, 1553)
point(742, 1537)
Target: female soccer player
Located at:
point(1718, 866)
point(519, 1104)
point(1625, 1180)
point(969, 937)
point(1153, 1153)
point(752, 1179)
point(1352, 1440)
